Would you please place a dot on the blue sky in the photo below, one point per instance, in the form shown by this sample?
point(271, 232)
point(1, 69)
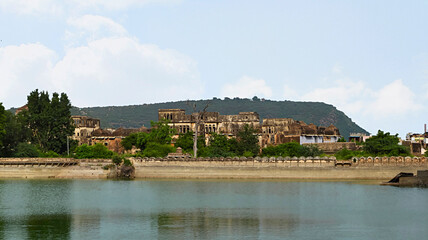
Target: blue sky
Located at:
point(367, 58)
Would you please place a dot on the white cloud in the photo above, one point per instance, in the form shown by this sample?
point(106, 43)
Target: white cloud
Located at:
point(346, 95)
point(92, 27)
point(108, 71)
point(94, 23)
point(247, 87)
point(394, 99)
point(357, 98)
point(23, 68)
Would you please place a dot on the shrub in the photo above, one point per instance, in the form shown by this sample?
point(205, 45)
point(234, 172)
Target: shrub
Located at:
point(344, 154)
point(127, 162)
point(117, 160)
point(157, 150)
point(248, 154)
point(96, 151)
point(292, 149)
point(49, 154)
point(26, 150)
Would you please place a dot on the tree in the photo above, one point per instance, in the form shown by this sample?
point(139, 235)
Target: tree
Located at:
point(292, 149)
point(185, 141)
point(153, 144)
point(385, 144)
point(248, 141)
point(26, 150)
point(2, 124)
point(138, 140)
point(49, 120)
point(341, 139)
point(155, 149)
point(95, 151)
point(199, 119)
point(160, 132)
point(16, 132)
point(219, 146)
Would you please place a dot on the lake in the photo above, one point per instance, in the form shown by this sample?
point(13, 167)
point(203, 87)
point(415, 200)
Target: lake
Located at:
point(210, 209)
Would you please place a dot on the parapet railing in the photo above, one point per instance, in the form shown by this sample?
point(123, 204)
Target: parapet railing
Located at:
point(234, 159)
point(59, 162)
point(389, 161)
point(295, 161)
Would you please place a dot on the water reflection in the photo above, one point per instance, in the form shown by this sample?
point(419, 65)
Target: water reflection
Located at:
point(81, 209)
point(222, 223)
point(48, 226)
point(2, 228)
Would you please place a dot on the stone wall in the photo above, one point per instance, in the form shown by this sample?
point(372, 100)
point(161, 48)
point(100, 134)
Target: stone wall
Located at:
point(389, 161)
point(240, 161)
point(333, 147)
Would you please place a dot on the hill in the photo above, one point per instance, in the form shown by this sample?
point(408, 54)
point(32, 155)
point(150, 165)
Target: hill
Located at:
point(140, 115)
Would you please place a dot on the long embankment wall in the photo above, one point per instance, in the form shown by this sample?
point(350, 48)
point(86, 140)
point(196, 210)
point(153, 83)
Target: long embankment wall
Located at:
point(53, 168)
point(219, 168)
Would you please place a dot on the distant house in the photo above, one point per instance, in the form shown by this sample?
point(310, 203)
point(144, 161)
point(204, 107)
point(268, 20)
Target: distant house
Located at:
point(358, 137)
point(84, 126)
point(88, 131)
point(272, 131)
point(112, 138)
point(283, 130)
point(212, 122)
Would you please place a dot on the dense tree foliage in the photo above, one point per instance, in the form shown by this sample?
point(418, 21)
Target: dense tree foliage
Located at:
point(185, 141)
point(219, 146)
point(384, 144)
point(15, 132)
point(157, 143)
point(2, 124)
point(292, 149)
point(247, 141)
point(26, 150)
point(49, 120)
point(245, 144)
point(95, 151)
point(154, 149)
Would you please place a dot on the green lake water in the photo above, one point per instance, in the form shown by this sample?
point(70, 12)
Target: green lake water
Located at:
point(149, 209)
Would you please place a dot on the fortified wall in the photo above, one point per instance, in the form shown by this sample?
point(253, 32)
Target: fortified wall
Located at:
point(239, 168)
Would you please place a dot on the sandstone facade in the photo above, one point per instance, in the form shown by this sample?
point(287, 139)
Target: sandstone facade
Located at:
point(272, 131)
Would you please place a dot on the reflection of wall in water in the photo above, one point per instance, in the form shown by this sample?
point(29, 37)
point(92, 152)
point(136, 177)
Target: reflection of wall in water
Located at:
point(207, 224)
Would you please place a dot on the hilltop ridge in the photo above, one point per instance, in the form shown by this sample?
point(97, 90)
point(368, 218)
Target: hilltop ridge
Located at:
point(135, 116)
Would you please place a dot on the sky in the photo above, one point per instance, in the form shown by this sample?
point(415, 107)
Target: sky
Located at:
point(367, 58)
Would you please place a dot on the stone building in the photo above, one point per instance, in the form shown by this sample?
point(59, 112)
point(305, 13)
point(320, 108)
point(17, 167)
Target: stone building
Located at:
point(358, 137)
point(87, 131)
point(84, 126)
point(211, 122)
point(283, 130)
point(112, 138)
point(272, 131)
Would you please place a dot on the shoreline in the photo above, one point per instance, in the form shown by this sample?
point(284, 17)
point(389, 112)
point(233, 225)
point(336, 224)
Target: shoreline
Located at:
point(203, 170)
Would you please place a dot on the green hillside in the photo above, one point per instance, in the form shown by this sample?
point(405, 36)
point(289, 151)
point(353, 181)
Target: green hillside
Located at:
point(310, 112)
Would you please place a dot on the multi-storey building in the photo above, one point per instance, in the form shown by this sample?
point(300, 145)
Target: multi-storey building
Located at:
point(272, 131)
